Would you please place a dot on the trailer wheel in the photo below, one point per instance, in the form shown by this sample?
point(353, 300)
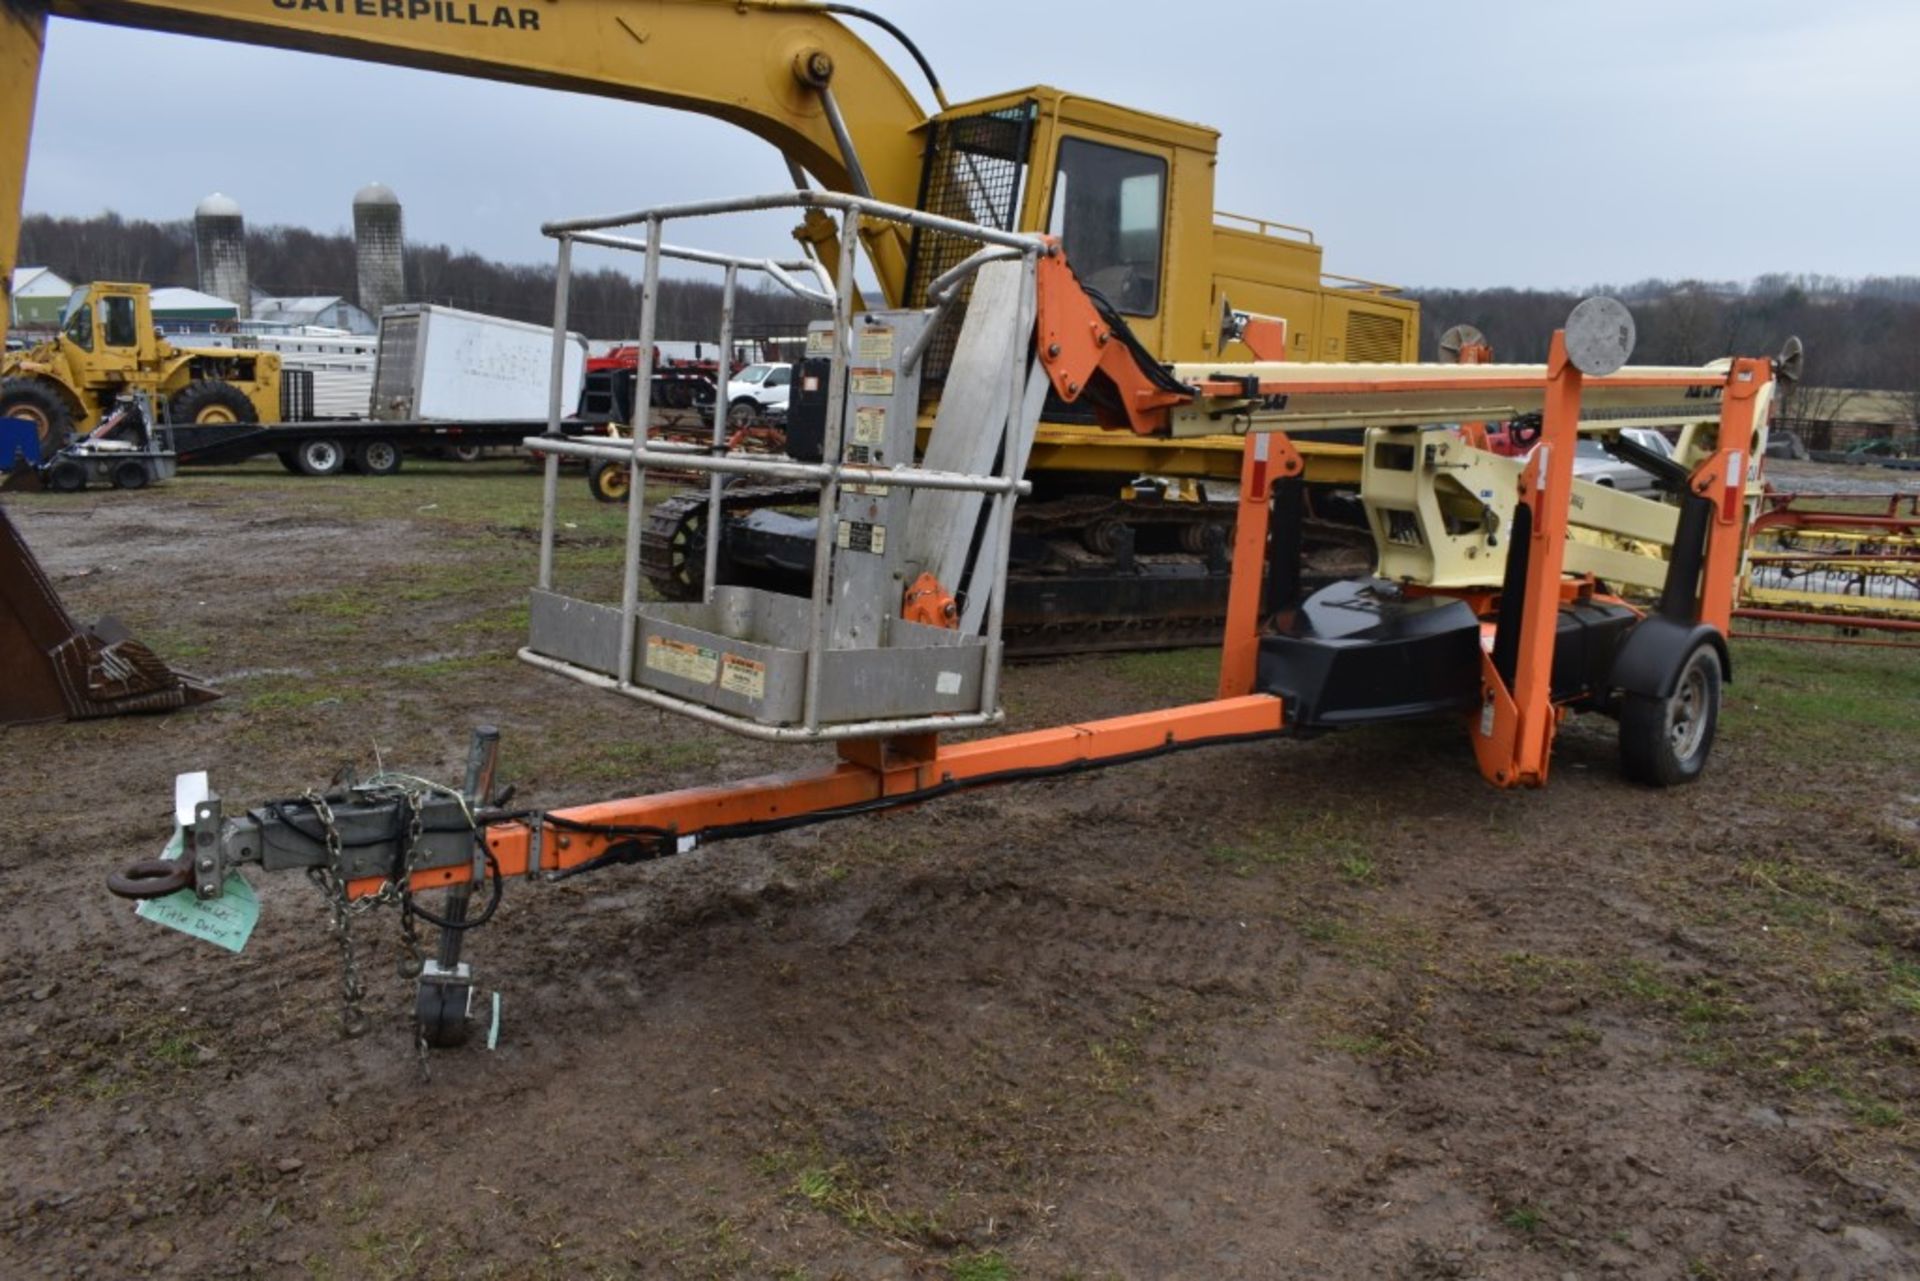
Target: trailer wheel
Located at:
point(376, 458)
point(209, 400)
point(66, 477)
point(1665, 741)
point(610, 482)
point(130, 475)
point(290, 459)
point(34, 400)
point(319, 457)
point(466, 453)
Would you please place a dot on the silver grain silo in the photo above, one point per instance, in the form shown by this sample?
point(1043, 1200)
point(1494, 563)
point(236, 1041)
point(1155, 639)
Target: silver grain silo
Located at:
point(377, 243)
point(220, 249)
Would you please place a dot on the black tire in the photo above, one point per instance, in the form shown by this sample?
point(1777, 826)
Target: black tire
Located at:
point(130, 475)
point(290, 460)
point(743, 412)
point(66, 477)
point(210, 400)
point(610, 482)
point(37, 401)
point(1665, 741)
point(320, 456)
point(376, 458)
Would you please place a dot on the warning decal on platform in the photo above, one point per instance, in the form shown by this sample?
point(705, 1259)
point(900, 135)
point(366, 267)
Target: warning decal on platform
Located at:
point(871, 382)
point(694, 663)
point(743, 676)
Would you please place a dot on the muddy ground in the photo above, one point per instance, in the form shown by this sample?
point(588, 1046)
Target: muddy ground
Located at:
point(1327, 1009)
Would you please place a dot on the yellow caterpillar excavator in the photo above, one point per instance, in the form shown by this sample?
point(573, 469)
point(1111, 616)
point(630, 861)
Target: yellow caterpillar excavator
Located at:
point(1129, 192)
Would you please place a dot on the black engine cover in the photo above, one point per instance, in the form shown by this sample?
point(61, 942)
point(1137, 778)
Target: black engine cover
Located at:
point(1359, 652)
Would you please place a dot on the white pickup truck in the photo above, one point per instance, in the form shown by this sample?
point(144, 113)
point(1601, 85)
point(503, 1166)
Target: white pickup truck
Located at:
point(758, 392)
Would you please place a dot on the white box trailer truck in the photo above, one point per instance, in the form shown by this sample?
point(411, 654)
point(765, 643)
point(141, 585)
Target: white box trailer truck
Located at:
point(449, 365)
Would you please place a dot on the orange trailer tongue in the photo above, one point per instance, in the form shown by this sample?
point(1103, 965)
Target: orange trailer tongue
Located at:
point(57, 669)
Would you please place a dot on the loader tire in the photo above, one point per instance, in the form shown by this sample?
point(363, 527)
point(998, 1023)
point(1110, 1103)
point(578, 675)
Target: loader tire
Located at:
point(210, 400)
point(1665, 741)
point(35, 400)
point(610, 482)
point(130, 475)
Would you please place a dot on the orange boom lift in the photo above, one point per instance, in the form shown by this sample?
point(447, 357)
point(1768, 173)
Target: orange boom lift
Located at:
point(1488, 607)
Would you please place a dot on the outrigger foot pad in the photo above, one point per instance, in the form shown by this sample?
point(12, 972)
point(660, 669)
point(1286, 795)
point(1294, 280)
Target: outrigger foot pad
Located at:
point(58, 669)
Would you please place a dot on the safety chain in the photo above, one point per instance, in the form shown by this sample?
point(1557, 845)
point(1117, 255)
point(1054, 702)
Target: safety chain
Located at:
point(332, 880)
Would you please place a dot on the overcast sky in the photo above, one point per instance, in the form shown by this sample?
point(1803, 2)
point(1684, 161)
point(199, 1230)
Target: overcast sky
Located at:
point(1512, 142)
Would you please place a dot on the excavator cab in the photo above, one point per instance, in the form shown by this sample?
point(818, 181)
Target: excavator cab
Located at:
point(1130, 195)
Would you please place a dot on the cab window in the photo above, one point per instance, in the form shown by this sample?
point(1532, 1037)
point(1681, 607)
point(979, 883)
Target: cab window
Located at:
point(1109, 211)
point(78, 325)
point(117, 321)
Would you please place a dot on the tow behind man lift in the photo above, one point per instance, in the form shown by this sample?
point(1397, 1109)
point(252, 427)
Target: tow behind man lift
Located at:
point(1494, 600)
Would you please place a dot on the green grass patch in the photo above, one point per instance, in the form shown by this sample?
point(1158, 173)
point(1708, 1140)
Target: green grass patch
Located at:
point(1183, 674)
point(991, 1266)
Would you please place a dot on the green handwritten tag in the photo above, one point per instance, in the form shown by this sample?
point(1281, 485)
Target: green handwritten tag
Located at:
point(224, 922)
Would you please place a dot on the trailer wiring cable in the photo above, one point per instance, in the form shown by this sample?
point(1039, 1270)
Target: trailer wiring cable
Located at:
point(497, 890)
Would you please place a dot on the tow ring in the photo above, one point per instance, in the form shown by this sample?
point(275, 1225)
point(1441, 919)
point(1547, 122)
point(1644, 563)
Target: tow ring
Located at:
point(151, 878)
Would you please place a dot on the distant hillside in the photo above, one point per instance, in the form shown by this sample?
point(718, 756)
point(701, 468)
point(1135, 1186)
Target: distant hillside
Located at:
point(1859, 333)
point(1863, 333)
point(292, 260)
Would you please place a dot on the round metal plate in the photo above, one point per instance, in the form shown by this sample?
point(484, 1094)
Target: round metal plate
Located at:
point(1457, 337)
point(1600, 336)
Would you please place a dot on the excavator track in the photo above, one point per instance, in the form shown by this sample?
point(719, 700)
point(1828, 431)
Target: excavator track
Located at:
point(673, 546)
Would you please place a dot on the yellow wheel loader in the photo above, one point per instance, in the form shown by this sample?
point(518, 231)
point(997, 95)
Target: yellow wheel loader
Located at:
point(106, 348)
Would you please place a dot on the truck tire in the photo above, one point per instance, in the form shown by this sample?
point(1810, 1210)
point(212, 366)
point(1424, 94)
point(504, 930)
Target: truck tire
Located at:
point(130, 475)
point(464, 453)
point(1665, 741)
point(319, 457)
point(290, 459)
point(743, 412)
point(35, 400)
point(376, 458)
point(66, 477)
point(210, 400)
point(610, 482)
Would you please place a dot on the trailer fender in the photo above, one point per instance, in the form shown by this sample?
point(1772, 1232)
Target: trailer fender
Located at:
point(1650, 658)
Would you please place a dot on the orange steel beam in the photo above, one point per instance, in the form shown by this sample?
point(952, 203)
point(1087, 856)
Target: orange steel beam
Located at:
point(691, 811)
point(1723, 478)
point(1265, 458)
point(1514, 740)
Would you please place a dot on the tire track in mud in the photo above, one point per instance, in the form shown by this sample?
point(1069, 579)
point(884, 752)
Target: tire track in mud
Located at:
point(1005, 930)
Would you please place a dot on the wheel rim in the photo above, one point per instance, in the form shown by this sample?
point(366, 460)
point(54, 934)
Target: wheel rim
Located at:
point(216, 414)
point(1687, 712)
point(322, 456)
point(741, 416)
point(614, 483)
point(380, 456)
point(29, 413)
